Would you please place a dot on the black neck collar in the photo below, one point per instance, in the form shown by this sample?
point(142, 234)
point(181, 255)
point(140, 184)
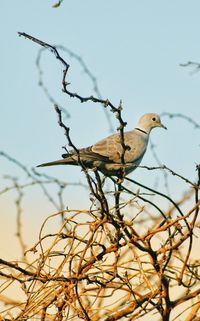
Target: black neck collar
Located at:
point(141, 130)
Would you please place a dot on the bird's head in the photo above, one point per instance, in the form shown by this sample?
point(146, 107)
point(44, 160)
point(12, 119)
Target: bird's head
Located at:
point(149, 121)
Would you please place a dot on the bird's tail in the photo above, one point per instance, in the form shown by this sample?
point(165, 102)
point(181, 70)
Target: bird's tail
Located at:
point(65, 161)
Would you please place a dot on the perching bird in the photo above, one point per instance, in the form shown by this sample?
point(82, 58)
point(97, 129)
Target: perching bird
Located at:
point(106, 155)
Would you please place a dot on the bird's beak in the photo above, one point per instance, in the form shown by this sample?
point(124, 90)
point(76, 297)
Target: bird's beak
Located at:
point(161, 125)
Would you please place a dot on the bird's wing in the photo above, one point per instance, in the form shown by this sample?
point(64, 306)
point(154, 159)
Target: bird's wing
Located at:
point(109, 147)
point(106, 150)
point(112, 149)
point(86, 154)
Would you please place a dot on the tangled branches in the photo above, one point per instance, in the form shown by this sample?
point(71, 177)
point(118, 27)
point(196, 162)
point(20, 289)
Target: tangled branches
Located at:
point(100, 266)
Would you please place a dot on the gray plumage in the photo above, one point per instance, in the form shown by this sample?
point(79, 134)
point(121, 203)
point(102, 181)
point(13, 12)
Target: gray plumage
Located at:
point(106, 155)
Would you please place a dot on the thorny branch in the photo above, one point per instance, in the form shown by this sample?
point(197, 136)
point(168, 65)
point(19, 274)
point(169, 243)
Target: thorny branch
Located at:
point(86, 71)
point(65, 71)
point(57, 4)
point(194, 64)
point(182, 116)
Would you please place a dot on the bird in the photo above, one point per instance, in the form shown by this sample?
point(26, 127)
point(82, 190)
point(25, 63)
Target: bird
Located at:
point(106, 154)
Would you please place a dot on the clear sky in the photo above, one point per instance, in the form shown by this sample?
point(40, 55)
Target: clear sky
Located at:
point(134, 48)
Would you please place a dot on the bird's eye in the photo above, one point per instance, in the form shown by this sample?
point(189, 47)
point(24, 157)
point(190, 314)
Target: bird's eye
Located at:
point(154, 119)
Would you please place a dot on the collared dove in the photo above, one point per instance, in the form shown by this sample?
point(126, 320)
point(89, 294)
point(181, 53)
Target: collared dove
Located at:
point(106, 155)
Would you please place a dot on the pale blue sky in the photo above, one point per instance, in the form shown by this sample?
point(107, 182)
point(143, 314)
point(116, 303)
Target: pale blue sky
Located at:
point(134, 48)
